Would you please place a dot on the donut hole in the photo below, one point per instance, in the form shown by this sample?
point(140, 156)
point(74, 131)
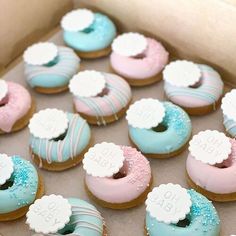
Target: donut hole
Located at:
point(196, 85)
point(68, 229)
point(224, 165)
point(61, 137)
point(160, 128)
point(140, 56)
point(183, 223)
point(9, 183)
point(4, 102)
point(104, 92)
point(119, 175)
point(53, 62)
point(123, 172)
point(88, 30)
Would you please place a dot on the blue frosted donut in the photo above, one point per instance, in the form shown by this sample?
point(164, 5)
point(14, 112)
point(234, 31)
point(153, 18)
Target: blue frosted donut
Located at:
point(20, 190)
point(203, 220)
point(97, 37)
point(54, 154)
point(166, 143)
point(85, 220)
point(56, 74)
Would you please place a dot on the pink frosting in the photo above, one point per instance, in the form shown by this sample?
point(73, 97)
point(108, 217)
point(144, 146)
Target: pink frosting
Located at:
point(154, 60)
point(18, 104)
point(213, 178)
point(138, 176)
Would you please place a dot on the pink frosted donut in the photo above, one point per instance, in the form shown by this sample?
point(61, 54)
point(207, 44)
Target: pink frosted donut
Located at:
point(141, 70)
point(15, 108)
point(219, 179)
point(127, 188)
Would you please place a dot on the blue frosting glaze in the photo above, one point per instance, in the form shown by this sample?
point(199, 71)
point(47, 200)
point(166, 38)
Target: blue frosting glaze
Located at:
point(75, 141)
point(84, 221)
point(204, 220)
point(55, 74)
point(98, 36)
point(230, 126)
point(177, 134)
point(24, 189)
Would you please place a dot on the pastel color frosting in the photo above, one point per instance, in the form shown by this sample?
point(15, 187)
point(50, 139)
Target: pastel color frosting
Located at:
point(118, 96)
point(75, 141)
point(212, 178)
point(208, 93)
point(85, 220)
point(230, 126)
point(55, 74)
point(17, 105)
point(204, 220)
point(96, 37)
point(173, 138)
point(137, 178)
point(24, 189)
point(155, 57)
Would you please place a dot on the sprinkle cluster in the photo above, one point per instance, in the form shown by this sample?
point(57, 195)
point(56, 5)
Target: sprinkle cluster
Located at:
point(23, 181)
point(203, 207)
point(176, 117)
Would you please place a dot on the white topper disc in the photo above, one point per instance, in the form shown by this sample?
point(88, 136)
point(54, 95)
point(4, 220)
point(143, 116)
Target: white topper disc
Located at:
point(6, 168)
point(103, 160)
point(210, 147)
point(182, 73)
point(40, 53)
point(129, 44)
point(3, 89)
point(87, 83)
point(77, 20)
point(229, 105)
point(48, 123)
point(145, 114)
point(168, 203)
point(49, 214)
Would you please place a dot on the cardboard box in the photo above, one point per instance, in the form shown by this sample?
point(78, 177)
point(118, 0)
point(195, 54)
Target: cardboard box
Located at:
point(199, 30)
point(202, 30)
point(23, 22)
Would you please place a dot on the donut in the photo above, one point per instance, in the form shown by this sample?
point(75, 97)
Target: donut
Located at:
point(142, 68)
point(105, 105)
point(89, 34)
point(215, 180)
point(84, 218)
point(202, 219)
point(54, 75)
point(21, 186)
point(229, 115)
point(16, 108)
point(127, 186)
point(196, 99)
point(167, 136)
point(66, 148)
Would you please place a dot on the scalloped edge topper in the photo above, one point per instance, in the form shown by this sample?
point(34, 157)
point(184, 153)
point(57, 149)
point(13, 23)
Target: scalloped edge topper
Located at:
point(182, 73)
point(129, 44)
point(103, 160)
point(145, 113)
point(49, 214)
point(48, 123)
point(88, 83)
point(40, 53)
point(168, 203)
point(77, 20)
